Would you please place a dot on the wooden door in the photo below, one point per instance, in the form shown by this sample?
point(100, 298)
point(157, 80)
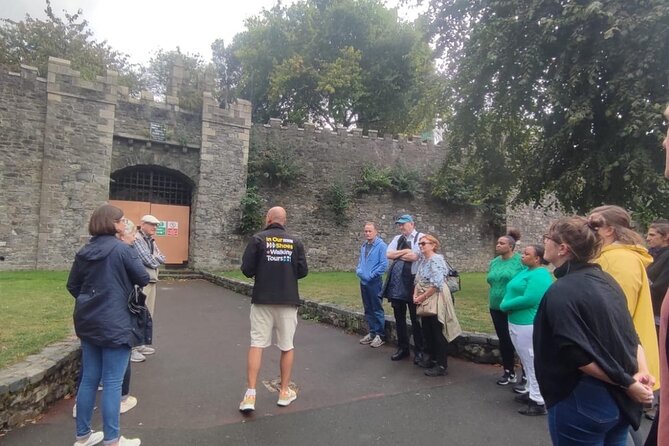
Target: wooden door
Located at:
point(173, 231)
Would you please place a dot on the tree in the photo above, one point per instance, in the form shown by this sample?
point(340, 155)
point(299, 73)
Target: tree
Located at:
point(343, 62)
point(192, 81)
point(31, 42)
point(560, 97)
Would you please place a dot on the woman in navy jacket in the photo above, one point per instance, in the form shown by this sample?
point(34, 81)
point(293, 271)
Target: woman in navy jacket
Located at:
point(104, 272)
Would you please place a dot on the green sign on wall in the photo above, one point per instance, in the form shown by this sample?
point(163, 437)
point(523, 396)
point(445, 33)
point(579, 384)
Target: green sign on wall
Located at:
point(161, 229)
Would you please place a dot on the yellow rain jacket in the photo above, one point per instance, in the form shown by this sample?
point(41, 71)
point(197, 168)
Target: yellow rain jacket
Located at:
point(627, 264)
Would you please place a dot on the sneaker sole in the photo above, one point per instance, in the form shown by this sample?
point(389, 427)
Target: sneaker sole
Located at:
point(376, 345)
point(246, 409)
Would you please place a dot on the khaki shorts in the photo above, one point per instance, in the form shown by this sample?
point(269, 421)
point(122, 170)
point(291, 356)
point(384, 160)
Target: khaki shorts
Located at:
point(278, 319)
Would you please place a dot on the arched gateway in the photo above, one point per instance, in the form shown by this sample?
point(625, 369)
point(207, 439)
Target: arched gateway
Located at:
point(165, 193)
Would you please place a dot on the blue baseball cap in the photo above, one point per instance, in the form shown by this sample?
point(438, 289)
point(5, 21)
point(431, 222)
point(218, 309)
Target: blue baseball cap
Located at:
point(406, 218)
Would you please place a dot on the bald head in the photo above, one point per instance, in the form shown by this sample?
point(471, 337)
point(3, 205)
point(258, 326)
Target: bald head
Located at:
point(276, 214)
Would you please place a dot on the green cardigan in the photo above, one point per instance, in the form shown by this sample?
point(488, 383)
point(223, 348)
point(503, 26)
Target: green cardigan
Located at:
point(524, 293)
point(500, 272)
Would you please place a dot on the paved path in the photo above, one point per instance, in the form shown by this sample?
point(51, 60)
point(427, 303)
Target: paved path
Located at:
point(349, 394)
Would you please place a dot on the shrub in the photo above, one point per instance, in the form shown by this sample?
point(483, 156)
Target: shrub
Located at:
point(250, 205)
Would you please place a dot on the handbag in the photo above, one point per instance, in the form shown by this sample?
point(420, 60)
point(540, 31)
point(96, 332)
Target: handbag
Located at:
point(452, 279)
point(140, 318)
point(428, 307)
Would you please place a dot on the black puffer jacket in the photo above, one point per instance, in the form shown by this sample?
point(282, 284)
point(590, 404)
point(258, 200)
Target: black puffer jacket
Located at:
point(102, 276)
point(277, 260)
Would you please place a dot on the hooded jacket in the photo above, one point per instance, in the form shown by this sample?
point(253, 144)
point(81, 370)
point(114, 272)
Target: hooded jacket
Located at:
point(276, 260)
point(104, 272)
point(372, 266)
point(627, 265)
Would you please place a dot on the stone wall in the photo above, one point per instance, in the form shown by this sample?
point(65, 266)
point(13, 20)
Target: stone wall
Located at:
point(533, 222)
point(62, 137)
point(22, 119)
point(326, 157)
point(29, 387)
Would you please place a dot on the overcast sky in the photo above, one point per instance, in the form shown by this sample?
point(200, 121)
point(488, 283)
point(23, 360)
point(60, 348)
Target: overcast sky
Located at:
point(139, 27)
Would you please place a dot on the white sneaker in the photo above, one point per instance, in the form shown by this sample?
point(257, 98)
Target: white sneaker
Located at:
point(376, 342)
point(367, 339)
point(146, 350)
point(248, 404)
point(286, 398)
point(128, 403)
point(93, 439)
point(136, 356)
point(129, 441)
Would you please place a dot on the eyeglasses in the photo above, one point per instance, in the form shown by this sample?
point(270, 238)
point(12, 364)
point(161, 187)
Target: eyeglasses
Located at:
point(552, 239)
point(424, 243)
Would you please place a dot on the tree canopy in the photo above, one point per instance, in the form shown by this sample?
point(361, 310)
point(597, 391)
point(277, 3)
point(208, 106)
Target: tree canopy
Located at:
point(31, 41)
point(343, 62)
point(558, 97)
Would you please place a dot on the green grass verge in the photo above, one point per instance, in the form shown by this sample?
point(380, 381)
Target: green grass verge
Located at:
point(342, 288)
point(35, 311)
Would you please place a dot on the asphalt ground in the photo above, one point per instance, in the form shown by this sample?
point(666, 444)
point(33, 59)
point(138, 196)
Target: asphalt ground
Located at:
point(349, 394)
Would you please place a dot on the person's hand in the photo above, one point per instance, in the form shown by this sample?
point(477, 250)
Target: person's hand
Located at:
point(641, 393)
point(645, 378)
point(417, 300)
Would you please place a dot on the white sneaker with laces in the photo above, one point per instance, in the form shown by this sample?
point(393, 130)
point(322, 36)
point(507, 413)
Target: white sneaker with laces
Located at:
point(377, 342)
point(146, 350)
point(285, 398)
point(93, 439)
point(367, 339)
point(136, 356)
point(128, 403)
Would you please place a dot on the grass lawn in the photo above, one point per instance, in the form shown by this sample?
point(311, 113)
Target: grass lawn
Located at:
point(35, 311)
point(342, 288)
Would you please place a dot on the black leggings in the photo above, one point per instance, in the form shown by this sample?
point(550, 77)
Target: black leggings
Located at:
point(436, 344)
point(400, 312)
point(501, 322)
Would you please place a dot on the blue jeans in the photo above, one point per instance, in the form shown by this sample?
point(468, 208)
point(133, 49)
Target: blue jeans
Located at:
point(106, 365)
point(588, 416)
point(373, 308)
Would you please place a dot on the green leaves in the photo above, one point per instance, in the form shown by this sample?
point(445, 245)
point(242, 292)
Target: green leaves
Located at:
point(553, 97)
point(343, 63)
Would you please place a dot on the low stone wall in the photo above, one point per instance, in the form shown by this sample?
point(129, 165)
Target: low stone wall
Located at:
point(476, 347)
point(29, 387)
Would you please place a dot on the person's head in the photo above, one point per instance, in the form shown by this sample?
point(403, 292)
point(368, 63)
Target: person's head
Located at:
point(571, 238)
point(658, 234)
point(148, 224)
point(127, 235)
point(533, 256)
point(277, 214)
point(405, 224)
point(428, 244)
point(507, 243)
point(106, 220)
point(613, 224)
point(370, 231)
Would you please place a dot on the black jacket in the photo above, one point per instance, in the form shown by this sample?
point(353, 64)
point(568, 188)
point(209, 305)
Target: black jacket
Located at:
point(101, 278)
point(277, 260)
point(658, 274)
point(586, 309)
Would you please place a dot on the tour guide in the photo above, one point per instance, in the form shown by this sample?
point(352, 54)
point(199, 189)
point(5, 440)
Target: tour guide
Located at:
point(276, 260)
